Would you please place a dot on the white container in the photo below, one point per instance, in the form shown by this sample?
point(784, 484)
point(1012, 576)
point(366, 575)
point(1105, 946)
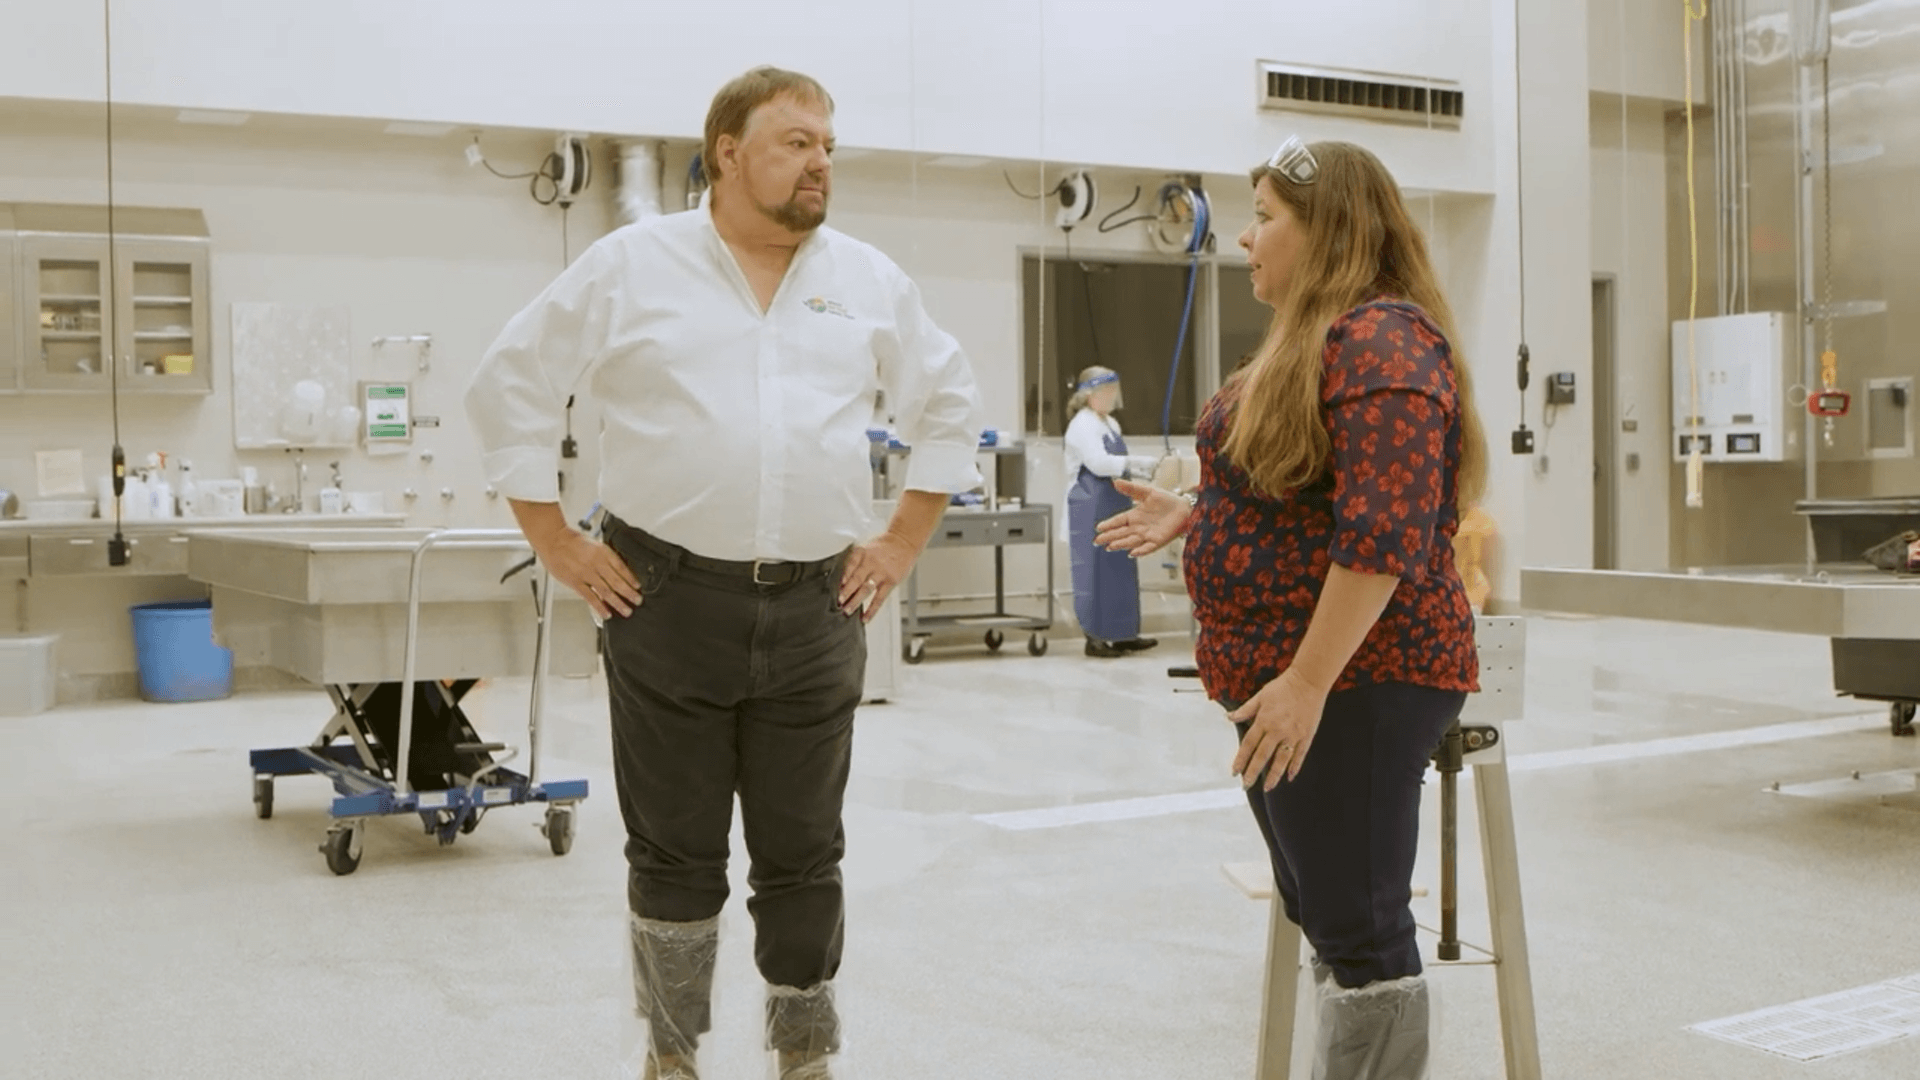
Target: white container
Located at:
point(221, 498)
point(330, 501)
point(27, 671)
point(159, 498)
point(58, 509)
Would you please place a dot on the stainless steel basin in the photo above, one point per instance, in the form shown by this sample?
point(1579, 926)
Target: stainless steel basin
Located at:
point(330, 605)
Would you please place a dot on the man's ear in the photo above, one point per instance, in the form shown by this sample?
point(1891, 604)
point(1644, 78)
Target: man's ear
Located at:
point(727, 149)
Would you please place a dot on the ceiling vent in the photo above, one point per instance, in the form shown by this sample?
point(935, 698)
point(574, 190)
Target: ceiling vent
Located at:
point(1396, 99)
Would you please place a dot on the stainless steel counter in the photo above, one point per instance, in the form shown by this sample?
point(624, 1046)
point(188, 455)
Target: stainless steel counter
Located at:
point(1843, 600)
point(157, 546)
point(330, 605)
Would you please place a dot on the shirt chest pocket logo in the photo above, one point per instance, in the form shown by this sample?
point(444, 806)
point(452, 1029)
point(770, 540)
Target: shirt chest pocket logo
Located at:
point(822, 306)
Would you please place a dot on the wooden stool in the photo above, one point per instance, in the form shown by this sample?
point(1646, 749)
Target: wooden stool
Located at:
point(1475, 741)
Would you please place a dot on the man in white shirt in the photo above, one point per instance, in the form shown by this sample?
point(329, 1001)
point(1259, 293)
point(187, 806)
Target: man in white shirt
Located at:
point(736, 352)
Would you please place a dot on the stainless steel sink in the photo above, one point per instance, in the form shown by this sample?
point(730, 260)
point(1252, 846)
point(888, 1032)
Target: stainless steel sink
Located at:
point(330, 605)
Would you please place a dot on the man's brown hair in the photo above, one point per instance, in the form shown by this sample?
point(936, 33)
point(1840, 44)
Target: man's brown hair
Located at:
point(735, 103)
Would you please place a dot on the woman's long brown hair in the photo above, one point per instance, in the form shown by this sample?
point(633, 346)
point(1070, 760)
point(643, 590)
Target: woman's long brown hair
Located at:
point(1359, 244)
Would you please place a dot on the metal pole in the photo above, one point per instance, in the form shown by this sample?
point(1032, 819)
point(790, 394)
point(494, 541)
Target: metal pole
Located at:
point(1803, 285)
point(404, 753)
point(1448, 760)
point(542, 653)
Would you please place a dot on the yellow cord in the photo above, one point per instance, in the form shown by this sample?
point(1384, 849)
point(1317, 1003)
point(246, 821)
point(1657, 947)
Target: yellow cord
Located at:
point(1695, 497)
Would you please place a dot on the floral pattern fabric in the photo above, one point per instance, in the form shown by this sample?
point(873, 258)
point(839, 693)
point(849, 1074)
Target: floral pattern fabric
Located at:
point(1255, 564)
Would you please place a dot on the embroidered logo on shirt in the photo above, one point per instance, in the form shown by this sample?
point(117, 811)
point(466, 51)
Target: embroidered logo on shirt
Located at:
point(820, 306)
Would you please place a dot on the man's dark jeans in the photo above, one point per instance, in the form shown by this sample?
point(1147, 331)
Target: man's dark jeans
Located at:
point(720, 687)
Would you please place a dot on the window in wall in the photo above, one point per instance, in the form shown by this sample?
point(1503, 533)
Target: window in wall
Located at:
point(1122, 315)
point(1243, 320)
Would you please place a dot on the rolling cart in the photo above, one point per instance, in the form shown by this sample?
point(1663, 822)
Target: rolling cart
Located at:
point(404, 746)
point(974, 528)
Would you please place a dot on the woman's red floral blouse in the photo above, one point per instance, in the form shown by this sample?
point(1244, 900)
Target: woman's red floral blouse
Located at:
point(1255, 564)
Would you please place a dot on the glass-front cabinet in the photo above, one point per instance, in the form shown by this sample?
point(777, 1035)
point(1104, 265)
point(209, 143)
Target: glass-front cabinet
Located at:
point(92, 309)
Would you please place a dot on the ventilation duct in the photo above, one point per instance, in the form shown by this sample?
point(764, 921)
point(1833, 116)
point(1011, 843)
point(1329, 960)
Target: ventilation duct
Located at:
point(1399, 99)
point(638, 197)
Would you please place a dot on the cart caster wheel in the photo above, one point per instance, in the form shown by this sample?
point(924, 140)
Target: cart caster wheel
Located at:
point(559, 829)
point(342, 849)
point(1037, 645)
point(263, 797)
point(915, 650)
point(995, 639)
point(1900, 718)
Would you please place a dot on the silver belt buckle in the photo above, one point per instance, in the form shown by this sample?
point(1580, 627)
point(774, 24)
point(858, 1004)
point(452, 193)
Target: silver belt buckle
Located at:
point(757, 564)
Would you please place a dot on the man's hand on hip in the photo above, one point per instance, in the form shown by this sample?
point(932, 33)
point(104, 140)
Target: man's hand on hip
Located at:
point(576, 560)
point(594, 570)
point(874, 569)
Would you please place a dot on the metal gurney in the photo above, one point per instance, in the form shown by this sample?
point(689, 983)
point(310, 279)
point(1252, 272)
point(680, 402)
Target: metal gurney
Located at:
point(398, 625)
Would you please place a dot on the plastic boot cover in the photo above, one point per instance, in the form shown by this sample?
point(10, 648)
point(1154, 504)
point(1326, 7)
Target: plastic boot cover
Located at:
point(673, 992)
point(1376, 1032)
point(803, 1031)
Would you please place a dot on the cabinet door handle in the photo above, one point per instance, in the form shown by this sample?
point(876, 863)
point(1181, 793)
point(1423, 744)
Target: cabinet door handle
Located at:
point(80, 541)
point(178, 539)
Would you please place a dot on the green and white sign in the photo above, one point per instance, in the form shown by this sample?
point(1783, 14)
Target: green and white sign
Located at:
point(386, 413)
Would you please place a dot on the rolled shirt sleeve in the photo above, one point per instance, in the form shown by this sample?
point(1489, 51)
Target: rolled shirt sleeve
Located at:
point(518, 397)
point(935, 401)
point(1391, 406)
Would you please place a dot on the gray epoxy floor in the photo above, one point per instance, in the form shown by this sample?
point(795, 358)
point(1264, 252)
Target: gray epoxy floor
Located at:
point(151, 927)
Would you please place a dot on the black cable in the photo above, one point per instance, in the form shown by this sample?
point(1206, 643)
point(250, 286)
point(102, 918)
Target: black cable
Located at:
point(1522, 438)
point(1093, 323)
point(1105, 225)
point(1057, 188)
point(117, 547)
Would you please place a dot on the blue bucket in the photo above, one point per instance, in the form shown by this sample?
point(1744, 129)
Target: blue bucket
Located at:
point(178, 659)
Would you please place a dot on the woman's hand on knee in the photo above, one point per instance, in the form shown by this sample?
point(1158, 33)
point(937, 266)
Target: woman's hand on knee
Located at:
point(1283, 716)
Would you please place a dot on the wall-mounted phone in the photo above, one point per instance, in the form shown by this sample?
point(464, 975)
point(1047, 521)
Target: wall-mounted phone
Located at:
point(1560, 388)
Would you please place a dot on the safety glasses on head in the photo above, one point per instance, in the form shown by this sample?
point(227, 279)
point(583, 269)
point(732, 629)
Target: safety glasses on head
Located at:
point(1294, 161)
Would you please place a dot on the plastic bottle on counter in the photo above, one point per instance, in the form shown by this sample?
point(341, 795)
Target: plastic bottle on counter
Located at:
point(159, 492)
point(189, 496)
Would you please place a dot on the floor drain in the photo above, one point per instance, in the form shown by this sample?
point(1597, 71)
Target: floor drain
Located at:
point(1827, 1026)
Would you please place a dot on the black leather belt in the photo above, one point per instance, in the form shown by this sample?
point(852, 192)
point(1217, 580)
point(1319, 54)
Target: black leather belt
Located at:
point(756, 571)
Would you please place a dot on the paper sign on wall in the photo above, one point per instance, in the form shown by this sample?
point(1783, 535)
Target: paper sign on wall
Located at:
point(386, 413)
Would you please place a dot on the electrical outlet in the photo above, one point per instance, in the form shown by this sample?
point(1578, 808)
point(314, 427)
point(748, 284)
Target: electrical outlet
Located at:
point(473, 154)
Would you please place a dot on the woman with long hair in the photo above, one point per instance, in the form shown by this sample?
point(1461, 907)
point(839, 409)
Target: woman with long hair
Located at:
point(1333, 625)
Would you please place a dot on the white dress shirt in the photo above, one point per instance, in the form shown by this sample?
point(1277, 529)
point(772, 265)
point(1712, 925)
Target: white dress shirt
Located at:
point(732, 432)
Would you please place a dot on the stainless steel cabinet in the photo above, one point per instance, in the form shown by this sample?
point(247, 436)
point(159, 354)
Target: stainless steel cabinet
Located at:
point(138, 302)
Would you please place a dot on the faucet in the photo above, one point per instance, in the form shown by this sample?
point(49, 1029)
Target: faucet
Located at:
point(299, 483)
point(335, 483)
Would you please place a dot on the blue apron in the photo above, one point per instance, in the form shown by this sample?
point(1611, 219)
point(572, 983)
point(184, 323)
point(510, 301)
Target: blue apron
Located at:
point(1106, 584)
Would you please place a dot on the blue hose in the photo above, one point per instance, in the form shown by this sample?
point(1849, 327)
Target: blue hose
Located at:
point(1196, 244)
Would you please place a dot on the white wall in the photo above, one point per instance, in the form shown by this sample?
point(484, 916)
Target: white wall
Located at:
point(401, 232)
point(1635, 47)
point(1073, 80)
point(1110, 82)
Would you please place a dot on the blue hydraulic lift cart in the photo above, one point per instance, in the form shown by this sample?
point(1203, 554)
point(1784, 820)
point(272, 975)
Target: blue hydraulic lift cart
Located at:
point(382, 762)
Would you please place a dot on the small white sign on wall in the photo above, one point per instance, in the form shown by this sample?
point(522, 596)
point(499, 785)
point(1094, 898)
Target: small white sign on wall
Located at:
point(388, 413)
